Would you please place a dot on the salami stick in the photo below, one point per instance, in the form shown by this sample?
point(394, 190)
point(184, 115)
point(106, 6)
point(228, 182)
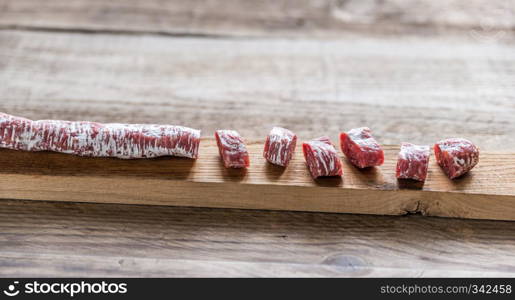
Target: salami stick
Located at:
point(126, 141)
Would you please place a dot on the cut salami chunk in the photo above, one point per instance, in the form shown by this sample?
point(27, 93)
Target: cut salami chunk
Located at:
point(232, 149)
point(322, 158)
point(456, 156)
point(361, 149)
point(413, 162)
point(280, 146)
point(127, 141)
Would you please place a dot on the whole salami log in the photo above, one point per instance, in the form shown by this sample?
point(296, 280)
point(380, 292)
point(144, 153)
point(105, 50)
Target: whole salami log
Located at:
point(126, 141)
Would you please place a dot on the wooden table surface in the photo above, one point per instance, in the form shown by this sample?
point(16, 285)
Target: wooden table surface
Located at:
point(411, 71)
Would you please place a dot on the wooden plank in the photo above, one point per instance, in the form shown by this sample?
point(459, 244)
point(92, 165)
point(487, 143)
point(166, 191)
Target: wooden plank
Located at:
point(487, 193)
point(40, 238)
point(271, 17)
point(29, 265)
point(406, 89)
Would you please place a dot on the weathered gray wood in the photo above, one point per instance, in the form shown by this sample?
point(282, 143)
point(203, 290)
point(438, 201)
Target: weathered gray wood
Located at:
point(49, 239)
point(270, 17)
point(411, 89)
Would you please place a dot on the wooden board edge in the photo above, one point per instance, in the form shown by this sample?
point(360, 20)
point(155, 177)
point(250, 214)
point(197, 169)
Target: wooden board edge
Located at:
point(137, 191)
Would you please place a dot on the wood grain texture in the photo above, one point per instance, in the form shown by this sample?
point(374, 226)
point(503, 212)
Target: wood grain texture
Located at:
point(261, 18)
point(406, 89)
point(488, 192)
point(443, 69)
point(78, 239)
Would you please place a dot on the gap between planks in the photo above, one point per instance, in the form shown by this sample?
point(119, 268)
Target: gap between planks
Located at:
point(487, 192)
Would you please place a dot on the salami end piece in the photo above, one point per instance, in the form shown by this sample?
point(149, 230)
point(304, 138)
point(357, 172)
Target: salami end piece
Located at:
point(322, 158)
point(280, 146)
point(360, 148)
point(413, 162)
point(456, 156)
point(232, 149)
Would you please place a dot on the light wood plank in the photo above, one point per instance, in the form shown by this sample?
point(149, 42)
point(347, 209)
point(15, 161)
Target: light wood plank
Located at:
point(78, 239)
point(487, 193)
point(38, 265)
point(406, 89)
point(262, 18)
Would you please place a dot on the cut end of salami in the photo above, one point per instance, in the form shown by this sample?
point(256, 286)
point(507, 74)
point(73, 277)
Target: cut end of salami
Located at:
point(127, 141)
point(413, 162)
point(280, 146)
point(456, 156)
point(360, 148)
point(322, 158)
point(232, 149)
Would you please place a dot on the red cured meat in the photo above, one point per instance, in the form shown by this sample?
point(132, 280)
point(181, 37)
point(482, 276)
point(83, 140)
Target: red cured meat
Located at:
point(232, 149)
point(280, 146)
point(127, 141)
point(322, 158)
point(456, 156)
point(361, 149)
point(413, 162)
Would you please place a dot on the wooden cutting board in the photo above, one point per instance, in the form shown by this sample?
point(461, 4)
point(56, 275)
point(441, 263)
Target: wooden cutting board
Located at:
point(488, 192)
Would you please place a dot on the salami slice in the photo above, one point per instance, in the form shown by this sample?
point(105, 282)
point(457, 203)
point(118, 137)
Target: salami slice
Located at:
point(126, 141)
point(456, 156)
point(322, 158)
point(280, 146)
point(232, 149)
point(413, 162)
point(360, 148)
